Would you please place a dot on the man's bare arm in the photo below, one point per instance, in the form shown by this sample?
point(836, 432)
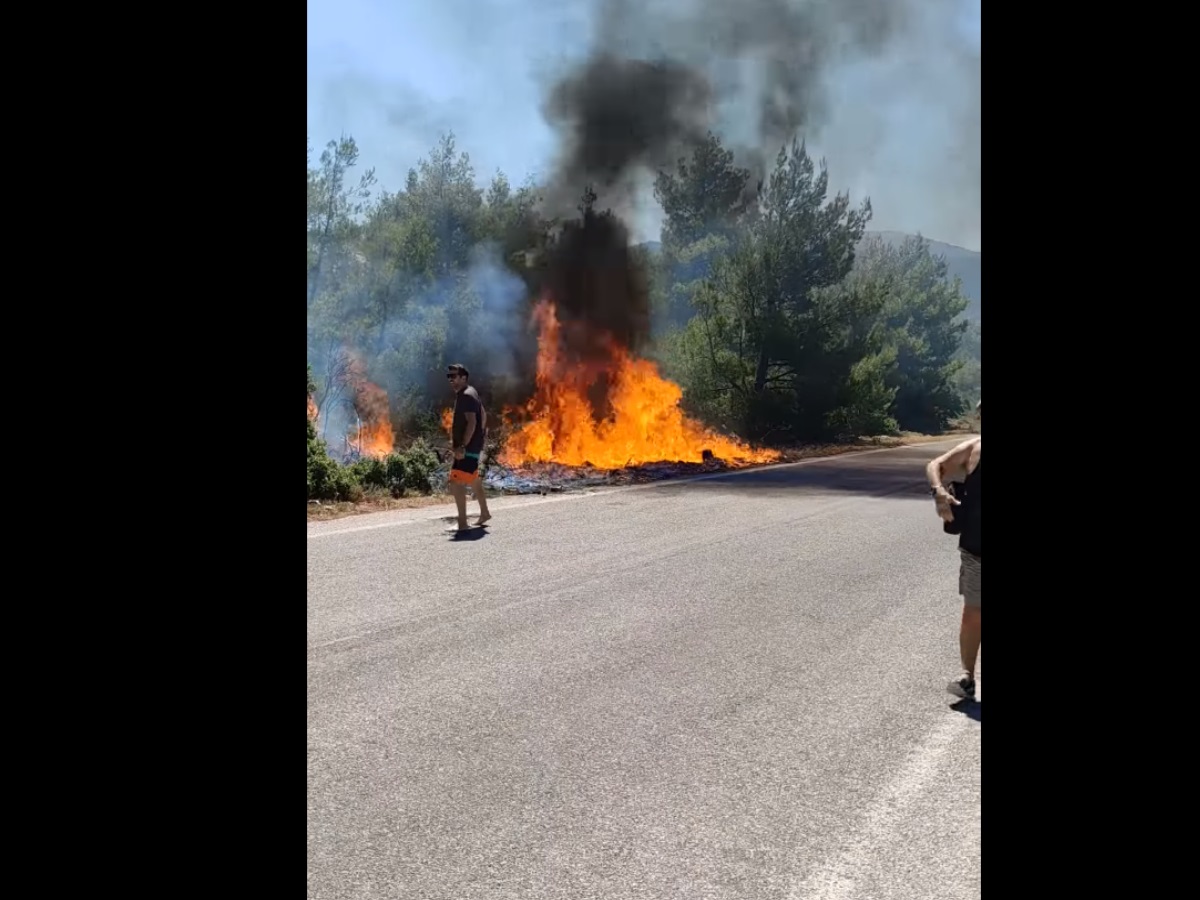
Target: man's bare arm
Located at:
point(951, 465)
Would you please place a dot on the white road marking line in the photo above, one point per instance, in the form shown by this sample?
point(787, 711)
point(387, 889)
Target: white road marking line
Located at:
point(496, 503)
point(835, 878)
point(341, 640)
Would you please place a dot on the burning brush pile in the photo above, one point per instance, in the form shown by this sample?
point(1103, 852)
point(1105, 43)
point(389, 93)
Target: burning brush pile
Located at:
point(600, 414)
point(603, 417)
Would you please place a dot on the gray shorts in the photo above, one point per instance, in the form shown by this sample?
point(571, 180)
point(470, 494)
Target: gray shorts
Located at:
point(969, 578)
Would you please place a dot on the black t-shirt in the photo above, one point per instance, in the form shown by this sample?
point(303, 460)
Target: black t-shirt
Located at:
point(467, 401)
point(971, 536)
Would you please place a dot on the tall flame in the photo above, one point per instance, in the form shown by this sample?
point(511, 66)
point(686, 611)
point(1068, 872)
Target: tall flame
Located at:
point(375, 439)
point(354, 406)
point(644, 423)
point(374, 436)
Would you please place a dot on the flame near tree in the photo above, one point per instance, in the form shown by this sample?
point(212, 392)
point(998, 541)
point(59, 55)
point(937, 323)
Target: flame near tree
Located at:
point(374, 436)
point(643, 423)
point(353, 402)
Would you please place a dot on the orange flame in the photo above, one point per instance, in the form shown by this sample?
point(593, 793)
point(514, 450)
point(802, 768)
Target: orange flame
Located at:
point(448, 420)
point(376, 439)
point(312, 408)
point(374, 436)
point(645, 425)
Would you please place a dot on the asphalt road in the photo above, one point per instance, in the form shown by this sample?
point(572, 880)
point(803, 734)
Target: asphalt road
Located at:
point(732, 688)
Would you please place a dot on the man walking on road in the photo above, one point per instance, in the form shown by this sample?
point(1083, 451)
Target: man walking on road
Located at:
point(963, 465)
point(468, 435)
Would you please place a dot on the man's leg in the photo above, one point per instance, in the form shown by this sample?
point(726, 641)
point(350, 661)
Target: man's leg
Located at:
point(969, 634)
point(459, 491)
point(477, 490)
point(969, 638)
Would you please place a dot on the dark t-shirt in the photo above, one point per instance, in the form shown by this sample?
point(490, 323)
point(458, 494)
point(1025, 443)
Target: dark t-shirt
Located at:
point(971, 537)
point(467, 401)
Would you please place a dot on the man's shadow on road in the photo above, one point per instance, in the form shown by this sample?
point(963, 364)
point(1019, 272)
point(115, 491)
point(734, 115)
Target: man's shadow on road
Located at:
point(972, 709)
point(474, 533)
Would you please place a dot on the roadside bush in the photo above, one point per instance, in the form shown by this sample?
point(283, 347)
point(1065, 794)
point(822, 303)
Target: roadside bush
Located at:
point(370, 473)
point(329, 481)
point(396, 473)
point(399, 472)
point(419, 463)
point(326, 479)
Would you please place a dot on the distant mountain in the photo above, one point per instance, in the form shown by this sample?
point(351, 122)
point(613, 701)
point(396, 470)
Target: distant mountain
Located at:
point(962, 263)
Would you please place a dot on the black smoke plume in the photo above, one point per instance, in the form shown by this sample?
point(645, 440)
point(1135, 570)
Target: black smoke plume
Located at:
point(597, 285)
point(618, 118)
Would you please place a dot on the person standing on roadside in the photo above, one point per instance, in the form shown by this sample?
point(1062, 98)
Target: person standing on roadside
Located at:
point(468, 436)
point(963, 466)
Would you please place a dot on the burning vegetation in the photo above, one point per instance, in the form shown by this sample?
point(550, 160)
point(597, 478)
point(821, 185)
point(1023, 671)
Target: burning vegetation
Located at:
point(641, 421)
point(374, 437)
point(354, 407)
point(596, 402)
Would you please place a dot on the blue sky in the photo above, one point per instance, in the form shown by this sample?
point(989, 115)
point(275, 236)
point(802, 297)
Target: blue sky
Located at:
point(398, 73)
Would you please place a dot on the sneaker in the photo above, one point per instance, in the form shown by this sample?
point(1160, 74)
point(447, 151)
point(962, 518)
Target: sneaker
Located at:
point(963, 686)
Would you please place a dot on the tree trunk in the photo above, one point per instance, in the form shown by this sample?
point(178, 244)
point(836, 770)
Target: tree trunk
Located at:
point(760, 373)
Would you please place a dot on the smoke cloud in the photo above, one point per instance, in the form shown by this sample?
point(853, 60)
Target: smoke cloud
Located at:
point(617, 115)
point(618, 118)
point(852, 77)
point(596, 283)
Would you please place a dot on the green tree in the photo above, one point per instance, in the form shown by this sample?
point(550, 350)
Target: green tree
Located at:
point(922, 323)
point(442, 190)
point(804, 243)
point(779, 354)
point(705, 195)
point(704, 201)
point(969, 379)
point(399, 254)
point(333, 205)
